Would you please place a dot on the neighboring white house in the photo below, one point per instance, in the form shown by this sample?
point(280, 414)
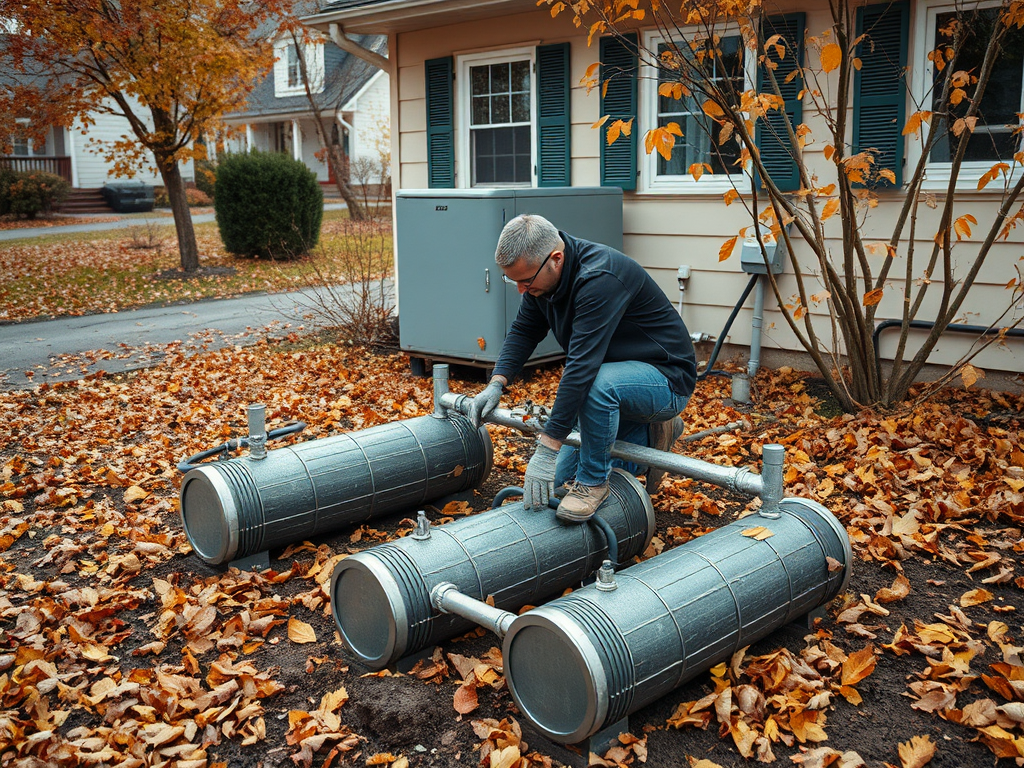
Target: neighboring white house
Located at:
point(353, 98)
point(78, 153)
point(440, 49)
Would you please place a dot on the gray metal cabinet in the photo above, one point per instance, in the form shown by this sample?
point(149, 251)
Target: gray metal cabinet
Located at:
point(452, 302)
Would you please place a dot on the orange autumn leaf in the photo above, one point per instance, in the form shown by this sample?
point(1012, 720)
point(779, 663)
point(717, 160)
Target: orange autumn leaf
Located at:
point(917, 752)
point(727, 248)
point(465, 699)
point(900, 589)
point(300, 632)
point(975, 597)
point(871, 298)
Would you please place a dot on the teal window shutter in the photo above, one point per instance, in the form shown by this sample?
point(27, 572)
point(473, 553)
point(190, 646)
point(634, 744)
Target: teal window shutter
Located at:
point(771, 135)
point(440, 124)
point(879, 95)
point(553, 126)
point(618, 102)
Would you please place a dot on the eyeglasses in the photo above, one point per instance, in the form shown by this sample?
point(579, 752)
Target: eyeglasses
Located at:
point(529, 282)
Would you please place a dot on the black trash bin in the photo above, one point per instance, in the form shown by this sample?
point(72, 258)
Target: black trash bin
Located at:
point(129, 198)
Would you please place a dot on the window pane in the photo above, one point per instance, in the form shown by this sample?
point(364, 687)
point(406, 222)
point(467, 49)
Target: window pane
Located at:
point(480, 80)
point(499, 109)
point(992, 139)
point(499, 78)
point(481, 110)
point(502, 155)
point(521, 76)
point(520, 107)
point(699, 142)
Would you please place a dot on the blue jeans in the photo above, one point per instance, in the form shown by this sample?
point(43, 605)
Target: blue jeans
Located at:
point(624, 399)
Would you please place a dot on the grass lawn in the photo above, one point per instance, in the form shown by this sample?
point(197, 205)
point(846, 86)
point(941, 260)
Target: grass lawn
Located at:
point(76, 274)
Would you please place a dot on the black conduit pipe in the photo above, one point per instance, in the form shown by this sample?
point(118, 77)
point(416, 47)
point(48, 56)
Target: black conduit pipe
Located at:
point(505, 493)
point(709, 368)
point(927, 325)
point(235, 444)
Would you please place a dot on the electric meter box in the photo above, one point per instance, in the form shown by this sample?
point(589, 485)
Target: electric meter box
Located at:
point(453, 305)
point(752, 262)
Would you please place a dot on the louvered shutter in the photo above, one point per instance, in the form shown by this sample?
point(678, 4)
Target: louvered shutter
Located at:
point(618, 102)
point(440, 124)
point(879, 97)
point(771, 136)
point(553, 126)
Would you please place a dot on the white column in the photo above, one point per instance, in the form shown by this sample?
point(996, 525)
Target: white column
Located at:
point(296, 141)
point(69, 147)
point(248, 137)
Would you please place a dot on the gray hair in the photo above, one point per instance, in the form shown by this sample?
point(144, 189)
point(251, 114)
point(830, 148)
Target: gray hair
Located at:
point(529, 237)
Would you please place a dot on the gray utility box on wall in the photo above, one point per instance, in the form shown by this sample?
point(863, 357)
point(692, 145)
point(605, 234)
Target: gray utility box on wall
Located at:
point(452, 303)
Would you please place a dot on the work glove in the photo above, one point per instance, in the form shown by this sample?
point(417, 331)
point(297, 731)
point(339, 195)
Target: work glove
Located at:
point(485, 402)
point(539, 482)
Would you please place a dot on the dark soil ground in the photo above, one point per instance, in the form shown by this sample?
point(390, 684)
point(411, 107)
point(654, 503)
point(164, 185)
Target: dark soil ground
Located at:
point(404, 715)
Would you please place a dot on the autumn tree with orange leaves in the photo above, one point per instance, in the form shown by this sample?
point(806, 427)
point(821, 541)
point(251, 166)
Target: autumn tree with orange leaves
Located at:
point(171, 68)
point(845, 151)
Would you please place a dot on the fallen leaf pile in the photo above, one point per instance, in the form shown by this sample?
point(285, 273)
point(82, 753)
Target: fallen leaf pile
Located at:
point(777, 698)
point(115, 270)
point(118, 646)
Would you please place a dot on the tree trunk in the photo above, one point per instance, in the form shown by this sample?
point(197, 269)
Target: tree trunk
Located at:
point(187, 246)
point(338, 161)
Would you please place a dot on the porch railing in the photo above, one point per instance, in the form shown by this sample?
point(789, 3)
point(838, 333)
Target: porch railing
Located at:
point(60, 166)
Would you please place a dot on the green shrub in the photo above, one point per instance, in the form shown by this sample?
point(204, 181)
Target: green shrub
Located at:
point(7, 178)
point(34, 192)
point(268, 205)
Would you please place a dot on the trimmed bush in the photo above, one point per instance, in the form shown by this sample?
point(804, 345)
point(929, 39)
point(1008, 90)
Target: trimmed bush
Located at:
point(267, 205)
point(7, 177)
point(34, 192)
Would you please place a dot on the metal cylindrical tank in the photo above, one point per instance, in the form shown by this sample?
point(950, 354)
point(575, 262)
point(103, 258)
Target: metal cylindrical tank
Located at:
point(233, 509)
point(586, 660)
point(381, 596)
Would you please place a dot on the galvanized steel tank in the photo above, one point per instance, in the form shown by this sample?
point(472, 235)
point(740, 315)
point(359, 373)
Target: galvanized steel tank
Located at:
point(586, 660)
point(233, 509)
point(381, 596)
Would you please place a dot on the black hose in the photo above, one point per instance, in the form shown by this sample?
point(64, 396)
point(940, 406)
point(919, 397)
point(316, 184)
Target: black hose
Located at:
point(504, 493)
point(927, 325)
point(610, 538)
point(234, 444)
point(709, 369)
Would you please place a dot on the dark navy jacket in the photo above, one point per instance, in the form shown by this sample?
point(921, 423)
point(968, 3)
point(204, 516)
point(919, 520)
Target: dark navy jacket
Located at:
point(605, 309)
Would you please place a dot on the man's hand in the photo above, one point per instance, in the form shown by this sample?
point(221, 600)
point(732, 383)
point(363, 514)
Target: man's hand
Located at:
point(539, 482)
point(485, 402)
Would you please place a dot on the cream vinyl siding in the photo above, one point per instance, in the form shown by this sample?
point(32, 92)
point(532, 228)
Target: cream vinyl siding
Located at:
point(92, 169)
point(665, 230)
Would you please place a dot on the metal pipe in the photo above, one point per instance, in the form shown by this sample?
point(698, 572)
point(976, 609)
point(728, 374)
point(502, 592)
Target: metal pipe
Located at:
point(237, 508)
point(440, 389)
point(257, 418)
point(739, 479)
point(587, 660)
point(447, 599)
point(381, 600)
point(756, 326)
point(773, 457)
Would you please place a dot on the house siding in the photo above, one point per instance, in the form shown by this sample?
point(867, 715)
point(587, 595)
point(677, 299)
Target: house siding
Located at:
point(663, 231)
point(370, 116)
point(91, 167)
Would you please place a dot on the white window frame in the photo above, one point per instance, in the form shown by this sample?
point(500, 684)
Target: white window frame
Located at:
point(937, 174)
point(463, 115)
point(650, 180)
point(314, 55)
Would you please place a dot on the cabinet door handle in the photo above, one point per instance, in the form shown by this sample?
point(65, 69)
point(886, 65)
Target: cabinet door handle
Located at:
point(487, 281)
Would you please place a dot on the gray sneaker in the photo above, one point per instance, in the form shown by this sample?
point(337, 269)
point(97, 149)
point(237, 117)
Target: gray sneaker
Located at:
point(662, 435)
point(581, 502)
